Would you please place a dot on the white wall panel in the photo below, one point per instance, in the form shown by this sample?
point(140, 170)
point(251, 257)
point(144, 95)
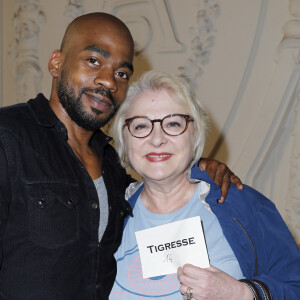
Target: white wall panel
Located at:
point(242, 57)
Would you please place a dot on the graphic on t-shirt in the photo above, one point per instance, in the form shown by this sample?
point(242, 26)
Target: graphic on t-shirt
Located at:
point(134, 283)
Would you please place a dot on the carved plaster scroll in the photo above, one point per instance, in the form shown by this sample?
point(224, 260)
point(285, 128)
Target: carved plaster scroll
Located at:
point(292, 32)
point(24, 51)
point(149, 21)
point(168, 40)
point(292, 27)
point(74, 9)
point(293, 197)
point(203, 40)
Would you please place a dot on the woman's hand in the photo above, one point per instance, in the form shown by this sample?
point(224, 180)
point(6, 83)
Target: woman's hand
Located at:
point(211, 283)
point(220, 174)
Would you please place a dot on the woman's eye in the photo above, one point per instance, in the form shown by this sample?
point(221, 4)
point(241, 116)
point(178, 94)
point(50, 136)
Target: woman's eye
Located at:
point(173, 124)
point(140, 127)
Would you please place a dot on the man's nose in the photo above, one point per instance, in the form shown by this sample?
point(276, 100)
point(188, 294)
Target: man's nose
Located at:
point(106, 78)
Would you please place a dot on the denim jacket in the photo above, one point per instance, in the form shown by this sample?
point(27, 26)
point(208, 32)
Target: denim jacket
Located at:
point(262, 243)
point(49, 212)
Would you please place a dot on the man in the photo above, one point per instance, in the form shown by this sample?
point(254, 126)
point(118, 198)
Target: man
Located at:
point(56, 243)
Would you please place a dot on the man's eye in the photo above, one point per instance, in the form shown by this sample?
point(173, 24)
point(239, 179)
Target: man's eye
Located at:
point(123, 75)
point(93, 61)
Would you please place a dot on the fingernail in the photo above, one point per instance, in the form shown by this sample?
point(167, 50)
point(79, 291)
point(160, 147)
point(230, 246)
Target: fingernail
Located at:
point(221, 200)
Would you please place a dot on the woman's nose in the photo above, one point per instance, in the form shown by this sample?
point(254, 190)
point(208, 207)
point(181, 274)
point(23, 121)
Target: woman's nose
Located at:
point(157, 136)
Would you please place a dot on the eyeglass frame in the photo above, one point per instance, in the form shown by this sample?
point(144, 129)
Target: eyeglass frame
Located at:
point(128, 121)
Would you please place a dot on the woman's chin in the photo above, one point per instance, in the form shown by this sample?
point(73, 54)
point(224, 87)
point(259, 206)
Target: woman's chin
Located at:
point(160, 177)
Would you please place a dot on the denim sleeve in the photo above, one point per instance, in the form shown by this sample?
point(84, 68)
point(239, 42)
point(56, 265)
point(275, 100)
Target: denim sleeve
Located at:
point(281, 273)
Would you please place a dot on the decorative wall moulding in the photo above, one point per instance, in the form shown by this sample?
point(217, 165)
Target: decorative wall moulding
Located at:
point(27, 20)
point(245, 78)
point(203, 40)
point(149, 21)
point(74, 9)
point(293, 197)
point(292, 27)
point(292, 40)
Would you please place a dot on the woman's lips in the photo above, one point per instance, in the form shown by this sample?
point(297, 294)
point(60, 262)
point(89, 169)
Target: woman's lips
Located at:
point(158, 157)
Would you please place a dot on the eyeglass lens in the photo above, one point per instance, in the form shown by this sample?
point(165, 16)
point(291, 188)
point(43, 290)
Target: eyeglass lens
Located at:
point(172, 125)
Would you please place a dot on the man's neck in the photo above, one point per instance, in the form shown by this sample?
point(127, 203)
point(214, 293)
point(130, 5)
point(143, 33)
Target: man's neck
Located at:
point(79, 140)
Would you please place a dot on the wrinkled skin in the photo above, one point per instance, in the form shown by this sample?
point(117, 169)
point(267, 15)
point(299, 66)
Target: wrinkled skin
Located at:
point(211, 284)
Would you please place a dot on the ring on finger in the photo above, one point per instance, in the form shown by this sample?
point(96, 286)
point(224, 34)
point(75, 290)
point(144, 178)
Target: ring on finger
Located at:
point(188, 295)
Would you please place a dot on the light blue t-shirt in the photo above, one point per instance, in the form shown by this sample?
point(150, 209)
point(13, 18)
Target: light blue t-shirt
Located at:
point(130, 284)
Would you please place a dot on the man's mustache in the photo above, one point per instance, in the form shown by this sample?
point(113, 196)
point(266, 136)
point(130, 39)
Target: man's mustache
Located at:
point(101, 91)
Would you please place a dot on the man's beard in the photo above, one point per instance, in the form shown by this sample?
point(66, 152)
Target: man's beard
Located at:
point(75, 109)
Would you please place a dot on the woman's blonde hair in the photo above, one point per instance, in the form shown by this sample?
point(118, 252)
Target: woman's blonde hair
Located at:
point(180, 90)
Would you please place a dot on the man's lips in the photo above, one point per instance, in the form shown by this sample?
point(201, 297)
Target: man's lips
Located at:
point(99, 102)
point(157, 157)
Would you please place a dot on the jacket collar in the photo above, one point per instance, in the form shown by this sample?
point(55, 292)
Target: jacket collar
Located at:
point(215, 192)
point(45, 116)
point(194, 174)
point(42, 112)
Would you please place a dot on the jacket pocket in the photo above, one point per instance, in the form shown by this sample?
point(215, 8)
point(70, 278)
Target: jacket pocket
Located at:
point(52, 213)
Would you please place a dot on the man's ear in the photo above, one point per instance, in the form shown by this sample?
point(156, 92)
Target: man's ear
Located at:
point(55, 63)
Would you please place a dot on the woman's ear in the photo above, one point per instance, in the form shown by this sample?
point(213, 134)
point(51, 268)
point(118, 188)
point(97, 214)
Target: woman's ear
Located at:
point(55, 62)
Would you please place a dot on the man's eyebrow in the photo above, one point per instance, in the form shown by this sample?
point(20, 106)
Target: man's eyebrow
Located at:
point(101, 51)
point(106, 54)
point(125, 64)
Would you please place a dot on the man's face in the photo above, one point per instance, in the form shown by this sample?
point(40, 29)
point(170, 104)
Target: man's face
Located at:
point(94, 76)
point(75, 109)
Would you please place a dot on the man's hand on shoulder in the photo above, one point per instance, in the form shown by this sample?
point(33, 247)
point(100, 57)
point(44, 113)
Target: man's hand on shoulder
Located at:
point(221, 175)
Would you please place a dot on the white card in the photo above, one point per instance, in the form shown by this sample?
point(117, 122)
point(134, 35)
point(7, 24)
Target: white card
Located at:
point(165, 248)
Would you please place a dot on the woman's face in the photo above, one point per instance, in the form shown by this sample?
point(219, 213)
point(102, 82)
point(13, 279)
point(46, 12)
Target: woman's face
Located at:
point(159, 157)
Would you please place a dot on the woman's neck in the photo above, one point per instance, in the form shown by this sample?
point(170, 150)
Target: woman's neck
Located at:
point(162, 198)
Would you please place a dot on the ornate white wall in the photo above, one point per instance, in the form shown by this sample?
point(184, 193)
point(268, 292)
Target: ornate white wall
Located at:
point(242, 58)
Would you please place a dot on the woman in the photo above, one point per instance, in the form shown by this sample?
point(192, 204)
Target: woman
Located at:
point(160, 132)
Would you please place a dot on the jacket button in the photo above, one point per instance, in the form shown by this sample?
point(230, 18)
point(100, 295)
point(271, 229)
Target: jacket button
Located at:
point(94, 205)
point(41, 203)
point(98, 286)
point(70, 202)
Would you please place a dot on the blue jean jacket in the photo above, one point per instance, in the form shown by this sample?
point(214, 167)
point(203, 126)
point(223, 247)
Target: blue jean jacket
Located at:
point(258, 236)
point(261, 241)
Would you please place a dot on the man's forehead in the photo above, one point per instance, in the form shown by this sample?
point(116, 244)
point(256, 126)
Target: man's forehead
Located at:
point(93, 29)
